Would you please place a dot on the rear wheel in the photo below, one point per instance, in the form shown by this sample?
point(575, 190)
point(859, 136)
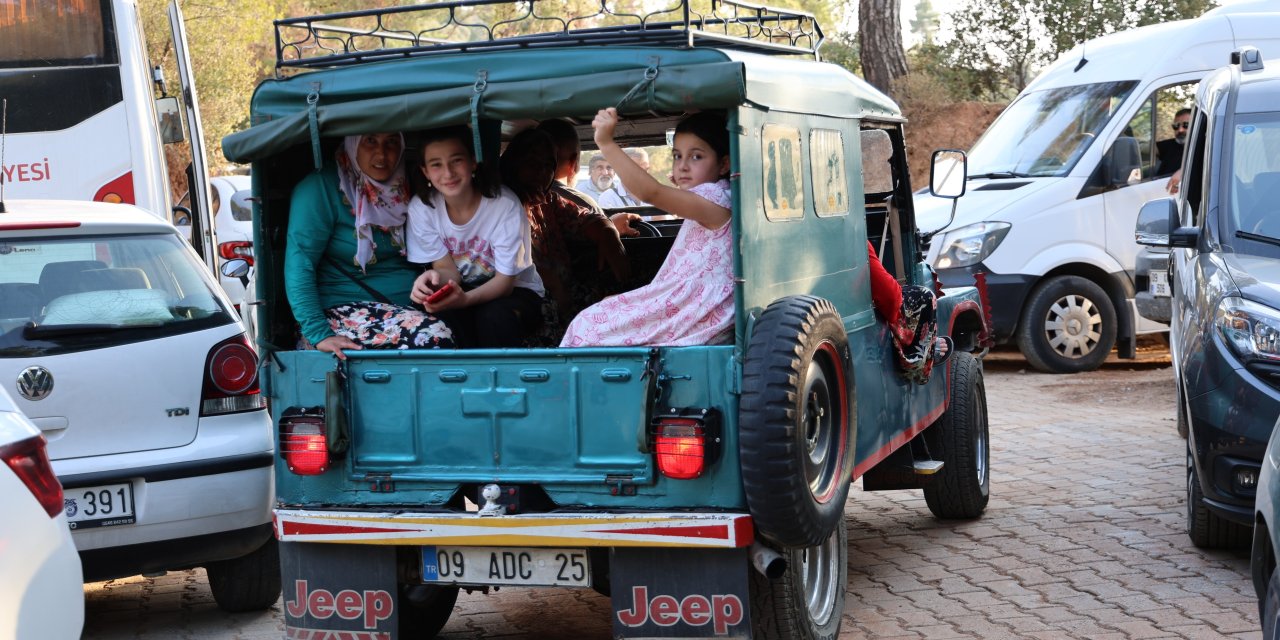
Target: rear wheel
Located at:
point(1068, 326)
point(1207, 529)
point(807, 601)
point(796, 429)
point(247, 583)
point(960, 439)
point(425, 609)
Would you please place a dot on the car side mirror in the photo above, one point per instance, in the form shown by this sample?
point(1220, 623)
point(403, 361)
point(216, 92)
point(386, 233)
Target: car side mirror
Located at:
point(948, 170)
point(1157, 226)
point(235, 268)
point(168, 114)
point(1123, 162)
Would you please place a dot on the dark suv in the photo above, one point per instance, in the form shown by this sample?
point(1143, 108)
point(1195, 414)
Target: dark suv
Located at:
point(1223, 232)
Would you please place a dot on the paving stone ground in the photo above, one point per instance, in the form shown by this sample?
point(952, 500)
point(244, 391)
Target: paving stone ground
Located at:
point(1083, 538)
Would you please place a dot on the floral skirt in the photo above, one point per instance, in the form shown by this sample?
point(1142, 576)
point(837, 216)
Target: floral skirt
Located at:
point(914, 334)
point(377, 325)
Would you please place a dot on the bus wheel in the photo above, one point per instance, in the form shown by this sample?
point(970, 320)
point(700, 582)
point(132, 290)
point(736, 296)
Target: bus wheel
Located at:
point(1068, 326)
point(425, 609)
point(960, 438)
point(796, 422)
point(806, 602)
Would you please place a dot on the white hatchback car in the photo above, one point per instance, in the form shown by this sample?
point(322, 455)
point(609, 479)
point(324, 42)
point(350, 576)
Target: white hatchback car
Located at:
point(233, 224)
point(118, 344)
point(40, 585)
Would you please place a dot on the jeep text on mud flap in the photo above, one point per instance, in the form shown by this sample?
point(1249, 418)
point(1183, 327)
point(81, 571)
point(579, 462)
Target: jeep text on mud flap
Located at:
point(661, 475)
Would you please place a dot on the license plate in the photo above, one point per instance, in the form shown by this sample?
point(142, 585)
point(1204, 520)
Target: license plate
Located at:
point(104, 506)
point(1159, 284)
point(507, 565)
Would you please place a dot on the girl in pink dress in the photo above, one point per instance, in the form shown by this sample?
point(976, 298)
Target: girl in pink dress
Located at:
point(690, 301)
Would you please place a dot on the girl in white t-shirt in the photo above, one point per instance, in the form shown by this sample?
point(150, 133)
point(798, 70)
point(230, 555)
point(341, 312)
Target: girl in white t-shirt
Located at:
point(477, 241)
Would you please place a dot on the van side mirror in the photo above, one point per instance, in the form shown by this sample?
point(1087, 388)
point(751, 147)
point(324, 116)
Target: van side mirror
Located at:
point(1124, 164)
point(167, 114)
point(235, 268)
point(948, 173)
point(1157, 226)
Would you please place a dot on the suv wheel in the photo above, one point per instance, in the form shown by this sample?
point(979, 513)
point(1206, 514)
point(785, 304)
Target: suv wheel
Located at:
point(248, 583)
point(796, 426)
point(960, 439)
point(1068, 326)
point(1207, 529)
point(805, 603)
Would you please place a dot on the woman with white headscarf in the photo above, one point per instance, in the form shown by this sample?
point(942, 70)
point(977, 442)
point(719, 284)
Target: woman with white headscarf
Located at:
point(345, 270)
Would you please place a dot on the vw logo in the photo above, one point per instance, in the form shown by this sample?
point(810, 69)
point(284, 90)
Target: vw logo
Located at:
point(35, 383)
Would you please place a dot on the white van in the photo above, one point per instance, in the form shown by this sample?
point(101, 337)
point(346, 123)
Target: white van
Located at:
point(1056, 182)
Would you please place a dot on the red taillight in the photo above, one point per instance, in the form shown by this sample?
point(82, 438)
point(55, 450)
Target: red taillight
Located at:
point(30, 463)
point(304, 445)
point(239, 249)
point(681, 447)
point(117, 191)
point(231, 378)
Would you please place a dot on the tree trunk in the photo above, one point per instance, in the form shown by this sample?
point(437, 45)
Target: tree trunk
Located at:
point(880, 35)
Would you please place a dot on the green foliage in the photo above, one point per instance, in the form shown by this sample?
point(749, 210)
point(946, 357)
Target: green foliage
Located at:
point(925, 23)
point(997, 46)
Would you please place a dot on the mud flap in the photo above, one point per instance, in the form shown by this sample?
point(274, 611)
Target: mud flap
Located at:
point(680, 593)
point(338, 591)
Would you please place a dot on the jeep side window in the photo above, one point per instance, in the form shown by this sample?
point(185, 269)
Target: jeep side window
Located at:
point(1152, 128)
point(783, 177)
point(828, 172)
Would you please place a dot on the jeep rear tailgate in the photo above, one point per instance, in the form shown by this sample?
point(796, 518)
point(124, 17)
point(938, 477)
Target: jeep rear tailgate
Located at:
point(572, 416)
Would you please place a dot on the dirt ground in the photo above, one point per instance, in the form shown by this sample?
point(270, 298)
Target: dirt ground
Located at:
point(932, 126)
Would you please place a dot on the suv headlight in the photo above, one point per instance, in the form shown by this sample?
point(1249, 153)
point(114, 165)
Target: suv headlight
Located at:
point(970, 244)
point(1251, 330)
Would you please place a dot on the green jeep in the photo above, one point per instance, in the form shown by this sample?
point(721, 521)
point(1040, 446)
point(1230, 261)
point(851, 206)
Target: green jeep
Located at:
point(403, 476)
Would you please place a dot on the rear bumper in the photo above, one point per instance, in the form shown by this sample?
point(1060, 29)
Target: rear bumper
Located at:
point(169, 555)
point(691, 530)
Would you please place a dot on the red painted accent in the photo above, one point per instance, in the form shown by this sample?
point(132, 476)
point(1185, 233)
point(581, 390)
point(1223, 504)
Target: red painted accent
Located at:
point(985, 339)
point(31, 226)
point(744, 532)
point(121, 187)
point(717, 531)
point(899, 440)
point(843, 450)
point(290, 528)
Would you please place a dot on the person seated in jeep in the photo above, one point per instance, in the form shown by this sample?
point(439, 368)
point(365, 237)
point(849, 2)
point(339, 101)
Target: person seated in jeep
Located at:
point(560, 229)
point(351, 215)
point(477, 240)
point(911, 313)
point(690, 301)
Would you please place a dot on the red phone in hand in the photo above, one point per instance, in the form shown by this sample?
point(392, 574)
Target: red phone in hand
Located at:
point(441, 293)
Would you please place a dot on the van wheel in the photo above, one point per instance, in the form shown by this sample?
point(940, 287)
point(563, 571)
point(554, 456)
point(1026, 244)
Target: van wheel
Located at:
point(248, 583)
point(1068, 326)
point(1207, 529)
point(796, 422)
point(807, 601)
point(960, 438)
point(424, 613)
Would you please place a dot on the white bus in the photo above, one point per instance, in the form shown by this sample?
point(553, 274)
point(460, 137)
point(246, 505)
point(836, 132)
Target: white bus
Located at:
point(81, 118)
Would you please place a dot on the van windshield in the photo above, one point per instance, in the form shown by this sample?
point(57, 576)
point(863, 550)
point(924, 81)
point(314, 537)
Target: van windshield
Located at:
point(1253, 201)
point(62, 295)
point(1044, 133)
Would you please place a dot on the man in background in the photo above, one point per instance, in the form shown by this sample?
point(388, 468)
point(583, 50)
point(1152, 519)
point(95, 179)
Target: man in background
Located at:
point(1169, 152)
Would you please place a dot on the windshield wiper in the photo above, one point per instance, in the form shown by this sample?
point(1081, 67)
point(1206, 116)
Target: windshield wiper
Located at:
point(996, 175)
point(1258, 238)
point(33, 331)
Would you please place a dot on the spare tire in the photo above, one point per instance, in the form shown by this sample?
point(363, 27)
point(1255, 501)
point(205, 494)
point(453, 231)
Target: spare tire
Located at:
point(796, 422)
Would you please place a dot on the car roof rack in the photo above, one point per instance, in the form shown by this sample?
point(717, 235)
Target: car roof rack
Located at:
point(355, 37)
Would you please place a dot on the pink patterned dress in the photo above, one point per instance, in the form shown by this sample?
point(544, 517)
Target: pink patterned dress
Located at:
point(689, 302)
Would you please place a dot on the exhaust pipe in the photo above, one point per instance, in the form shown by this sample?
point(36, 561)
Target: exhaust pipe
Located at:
point(768, 562)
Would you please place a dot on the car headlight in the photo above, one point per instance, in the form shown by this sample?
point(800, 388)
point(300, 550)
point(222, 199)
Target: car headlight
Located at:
point(970, 244)
point(1251, 330)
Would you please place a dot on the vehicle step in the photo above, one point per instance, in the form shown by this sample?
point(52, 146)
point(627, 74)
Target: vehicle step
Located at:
point(926, 467)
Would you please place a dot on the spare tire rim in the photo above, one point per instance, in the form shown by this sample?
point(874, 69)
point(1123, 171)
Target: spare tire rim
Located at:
point(821, 419)
point(820, 570)
point(1073, 326)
